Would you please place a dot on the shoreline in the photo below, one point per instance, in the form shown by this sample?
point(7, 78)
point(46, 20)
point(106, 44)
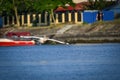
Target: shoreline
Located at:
point(99, 32)
point(91, 40)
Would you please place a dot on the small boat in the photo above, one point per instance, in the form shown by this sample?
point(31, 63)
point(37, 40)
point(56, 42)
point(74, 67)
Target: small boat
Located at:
point(10, 42)
point(24, 39)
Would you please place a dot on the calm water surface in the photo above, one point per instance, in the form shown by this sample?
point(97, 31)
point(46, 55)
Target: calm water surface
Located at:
point(61, 62)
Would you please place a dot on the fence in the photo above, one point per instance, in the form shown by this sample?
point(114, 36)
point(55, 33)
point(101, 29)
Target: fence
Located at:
point(89, 16)
point(43, 19)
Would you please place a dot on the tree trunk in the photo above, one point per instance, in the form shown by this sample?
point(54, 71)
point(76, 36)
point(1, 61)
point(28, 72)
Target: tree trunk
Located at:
point(17, 17)
point(52, 16)
point(16, 14)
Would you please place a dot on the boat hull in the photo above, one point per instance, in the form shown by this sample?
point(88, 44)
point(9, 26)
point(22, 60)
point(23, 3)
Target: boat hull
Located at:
point(16, 43)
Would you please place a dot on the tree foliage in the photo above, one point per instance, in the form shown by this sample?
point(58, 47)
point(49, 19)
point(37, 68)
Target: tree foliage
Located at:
point(20, 6)
point(40, 5)
point(31, 5)
point(98, 4)
point(49, 5)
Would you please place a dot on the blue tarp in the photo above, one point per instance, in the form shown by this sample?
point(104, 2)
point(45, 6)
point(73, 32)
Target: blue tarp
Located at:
point(108, 15)
point(90, 16)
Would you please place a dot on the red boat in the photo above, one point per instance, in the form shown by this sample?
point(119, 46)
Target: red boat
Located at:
point(18, 34)
point(9, 42)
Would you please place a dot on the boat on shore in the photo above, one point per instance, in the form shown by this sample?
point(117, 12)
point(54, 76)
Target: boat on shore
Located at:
point(25, 39)
point(32, 41)
point(10, 42)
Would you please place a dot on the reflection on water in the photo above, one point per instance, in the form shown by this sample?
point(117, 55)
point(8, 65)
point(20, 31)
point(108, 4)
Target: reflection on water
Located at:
point(61, 62)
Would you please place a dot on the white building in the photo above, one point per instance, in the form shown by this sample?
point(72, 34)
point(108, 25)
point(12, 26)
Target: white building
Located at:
point(78, 1)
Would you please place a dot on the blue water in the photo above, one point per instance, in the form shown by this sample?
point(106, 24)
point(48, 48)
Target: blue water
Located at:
point(61, 62)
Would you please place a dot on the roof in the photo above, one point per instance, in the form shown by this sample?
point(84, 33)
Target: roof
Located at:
point(60, 9)
point(70, 8)
point(80, 6)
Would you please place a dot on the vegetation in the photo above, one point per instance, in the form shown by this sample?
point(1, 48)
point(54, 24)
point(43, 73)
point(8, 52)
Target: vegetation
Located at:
point(13, 7)
point(98, 4)
point(49, 5)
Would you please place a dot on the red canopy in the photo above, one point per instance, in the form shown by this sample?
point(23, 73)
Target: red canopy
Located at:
point(60, 9)
point(80, 6)
point(70, 8)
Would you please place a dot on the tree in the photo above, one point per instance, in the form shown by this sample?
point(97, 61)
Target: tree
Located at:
point(19, 6)
point(49, 5)
point(12, 7)
point(98, 4)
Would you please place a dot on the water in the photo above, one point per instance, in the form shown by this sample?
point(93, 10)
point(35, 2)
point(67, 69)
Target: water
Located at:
point(61, 62)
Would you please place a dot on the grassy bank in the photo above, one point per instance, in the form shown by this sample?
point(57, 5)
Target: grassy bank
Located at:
point(97, 40)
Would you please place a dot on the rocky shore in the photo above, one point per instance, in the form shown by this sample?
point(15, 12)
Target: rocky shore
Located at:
point(98, 32)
